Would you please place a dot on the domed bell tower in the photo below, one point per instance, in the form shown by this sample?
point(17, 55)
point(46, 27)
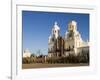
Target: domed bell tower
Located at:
point(72, 26)
point(72, 29)
point(55, 30)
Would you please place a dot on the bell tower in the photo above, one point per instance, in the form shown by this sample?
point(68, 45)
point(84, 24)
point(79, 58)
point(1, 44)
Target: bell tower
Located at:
point(55, 30)
point(72, 26)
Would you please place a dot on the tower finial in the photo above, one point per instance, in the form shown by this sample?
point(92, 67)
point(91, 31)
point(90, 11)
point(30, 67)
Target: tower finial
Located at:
point(55, 22)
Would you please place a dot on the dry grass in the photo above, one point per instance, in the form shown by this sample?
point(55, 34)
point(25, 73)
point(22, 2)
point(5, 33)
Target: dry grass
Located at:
point(44, 65)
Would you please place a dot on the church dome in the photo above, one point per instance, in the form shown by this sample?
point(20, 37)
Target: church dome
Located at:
point(26, 53)
point(55, 30)
point(72, 26)
point(56, 27)
point(73, 23)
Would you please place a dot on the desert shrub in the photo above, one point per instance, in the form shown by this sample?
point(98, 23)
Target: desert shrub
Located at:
point(32, 60)
point(80, 58)
point(26, 60)
point(83, 57)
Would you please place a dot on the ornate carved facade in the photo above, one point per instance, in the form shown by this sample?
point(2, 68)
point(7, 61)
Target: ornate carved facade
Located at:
point(71, 43)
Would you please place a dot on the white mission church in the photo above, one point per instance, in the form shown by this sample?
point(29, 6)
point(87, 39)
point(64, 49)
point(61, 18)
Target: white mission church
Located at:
point(71, 43)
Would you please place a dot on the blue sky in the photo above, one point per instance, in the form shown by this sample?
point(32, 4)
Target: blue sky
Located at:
point(36, 28)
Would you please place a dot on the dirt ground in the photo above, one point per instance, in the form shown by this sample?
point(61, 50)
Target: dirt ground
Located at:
point(44, 65)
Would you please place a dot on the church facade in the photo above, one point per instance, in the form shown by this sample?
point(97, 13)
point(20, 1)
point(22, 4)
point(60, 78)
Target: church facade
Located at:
point(71, 43)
